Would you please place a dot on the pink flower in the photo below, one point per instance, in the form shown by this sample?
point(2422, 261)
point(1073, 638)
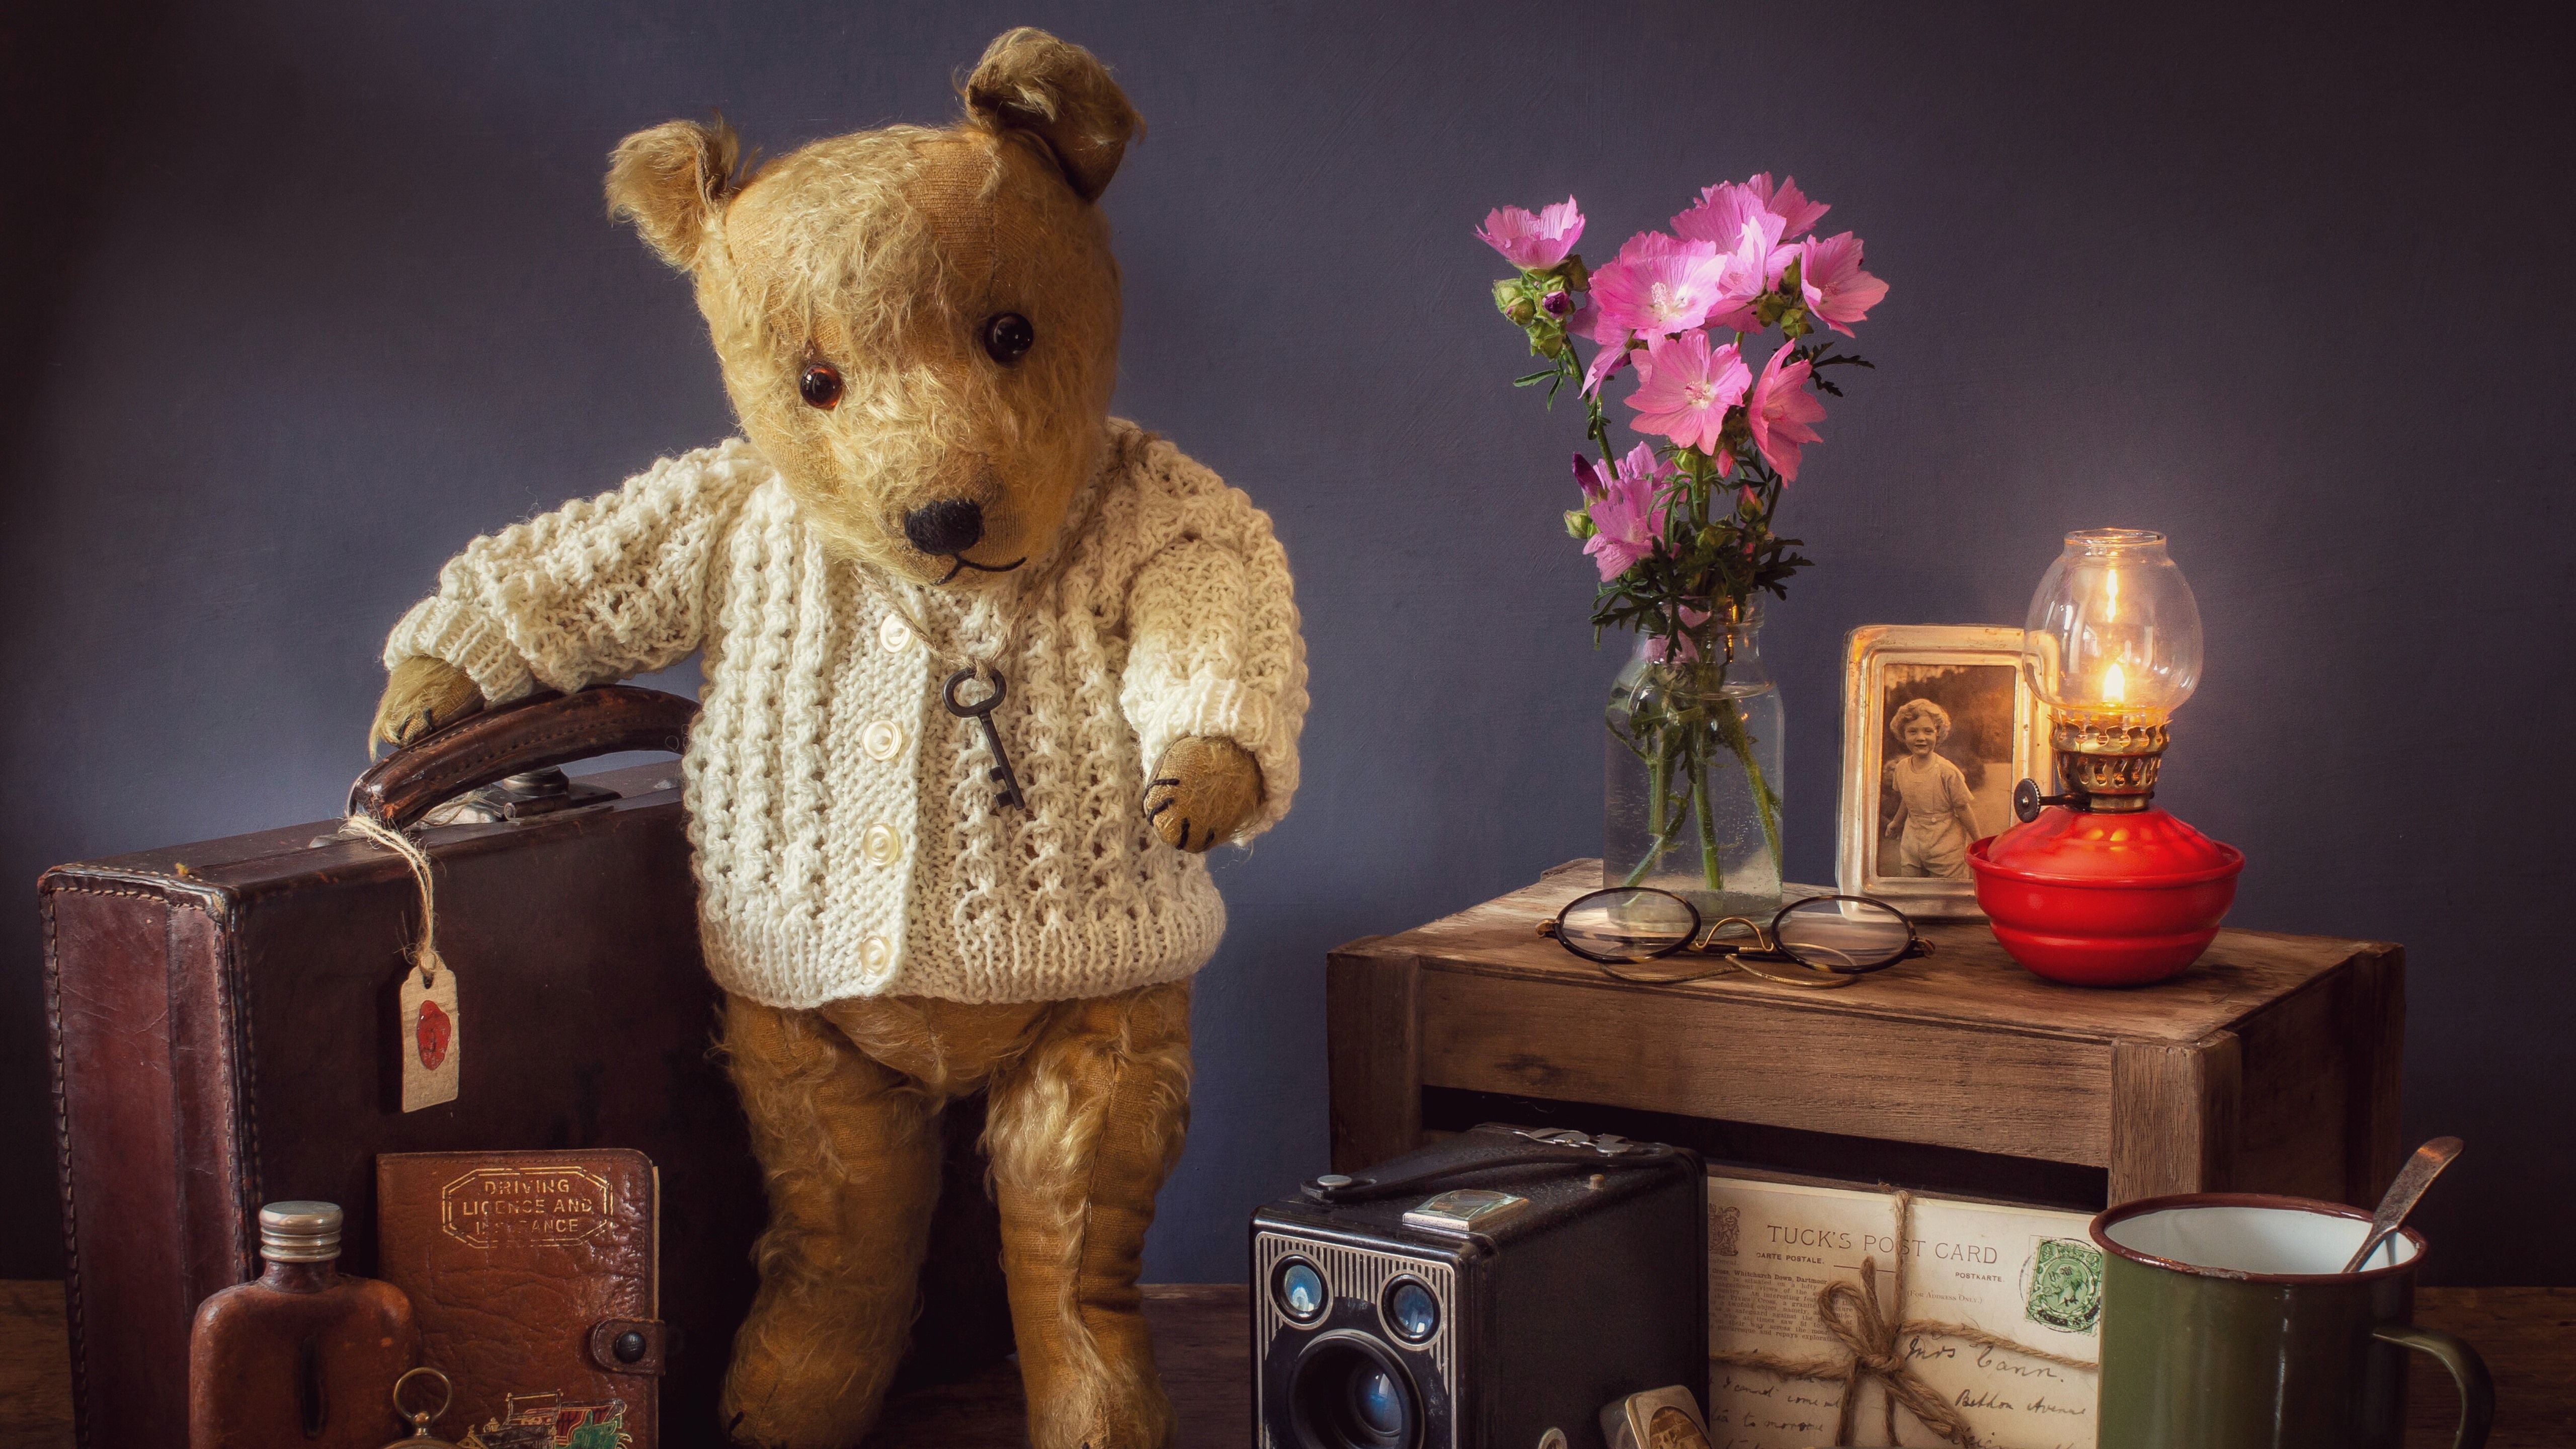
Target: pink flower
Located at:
point(1629, 513)
point(1533, 243)
point(1588, 478)
point(1659, 285)
point(1611, 357)
point(1734, 219)
point(1685, 387)
point(1797, 214)
point(1660, 649)
point(1836, 289)
point(1779, 410)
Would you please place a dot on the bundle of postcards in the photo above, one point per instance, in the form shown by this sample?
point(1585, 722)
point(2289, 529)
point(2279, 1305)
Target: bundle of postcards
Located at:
point(1848, 1315)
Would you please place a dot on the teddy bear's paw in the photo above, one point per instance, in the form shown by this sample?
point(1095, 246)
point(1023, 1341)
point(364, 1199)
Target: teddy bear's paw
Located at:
point(1201, 792)
point(421, 695)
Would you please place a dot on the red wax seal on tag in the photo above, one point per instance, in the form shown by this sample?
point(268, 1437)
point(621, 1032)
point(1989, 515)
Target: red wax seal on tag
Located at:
point(433, 1032)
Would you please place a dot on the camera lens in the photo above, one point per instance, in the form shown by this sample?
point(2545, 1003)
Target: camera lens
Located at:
point(1347, 1393)
point(1377, 1403)
point(1300, 1290)
point(1411, 1311)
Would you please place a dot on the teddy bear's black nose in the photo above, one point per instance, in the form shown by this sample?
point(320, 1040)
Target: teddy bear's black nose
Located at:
point(949, 526)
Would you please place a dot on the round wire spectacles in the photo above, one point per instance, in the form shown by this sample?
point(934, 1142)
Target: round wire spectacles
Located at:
point(1823, 941)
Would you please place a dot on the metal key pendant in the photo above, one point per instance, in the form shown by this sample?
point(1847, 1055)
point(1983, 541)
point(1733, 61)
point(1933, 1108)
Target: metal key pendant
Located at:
point(982, 713)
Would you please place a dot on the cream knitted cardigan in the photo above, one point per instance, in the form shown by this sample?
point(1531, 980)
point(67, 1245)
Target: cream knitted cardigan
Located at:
point(848, 842)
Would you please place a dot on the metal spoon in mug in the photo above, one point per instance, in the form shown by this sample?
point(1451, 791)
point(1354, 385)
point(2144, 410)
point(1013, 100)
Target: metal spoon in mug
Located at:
point(2404, 1193)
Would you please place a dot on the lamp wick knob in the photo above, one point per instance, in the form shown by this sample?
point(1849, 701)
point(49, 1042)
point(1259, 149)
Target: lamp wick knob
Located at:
point(2028, 802)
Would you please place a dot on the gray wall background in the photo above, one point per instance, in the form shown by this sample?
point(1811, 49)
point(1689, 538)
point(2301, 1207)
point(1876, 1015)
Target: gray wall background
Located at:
point(299, 297)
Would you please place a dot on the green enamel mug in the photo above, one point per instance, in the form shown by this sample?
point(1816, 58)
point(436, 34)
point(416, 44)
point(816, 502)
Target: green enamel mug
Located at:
point(2229, 1323)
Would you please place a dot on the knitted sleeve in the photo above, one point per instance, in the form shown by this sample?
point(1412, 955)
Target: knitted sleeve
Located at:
point(597, 590)
point(1214, 647)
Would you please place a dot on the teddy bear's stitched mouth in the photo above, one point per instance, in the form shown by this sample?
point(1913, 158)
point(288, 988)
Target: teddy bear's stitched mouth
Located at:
point(958, 563)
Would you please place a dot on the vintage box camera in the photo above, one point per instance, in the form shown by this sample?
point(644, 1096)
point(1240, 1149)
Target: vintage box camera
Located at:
point(1493, 1291)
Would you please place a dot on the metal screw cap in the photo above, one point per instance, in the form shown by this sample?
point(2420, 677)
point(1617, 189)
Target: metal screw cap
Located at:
point(299, 1232)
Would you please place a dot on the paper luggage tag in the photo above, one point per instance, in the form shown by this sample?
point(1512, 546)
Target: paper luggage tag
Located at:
point(429, 1038)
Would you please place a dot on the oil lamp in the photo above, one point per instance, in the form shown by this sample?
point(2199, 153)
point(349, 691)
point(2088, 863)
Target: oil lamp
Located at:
point(2097, 886)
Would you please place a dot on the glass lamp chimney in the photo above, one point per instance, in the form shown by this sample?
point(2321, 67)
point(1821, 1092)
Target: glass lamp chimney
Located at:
point(2112, 646)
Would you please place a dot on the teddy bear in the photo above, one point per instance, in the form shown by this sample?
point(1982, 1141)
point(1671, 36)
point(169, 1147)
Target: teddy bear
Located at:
point(929, 522)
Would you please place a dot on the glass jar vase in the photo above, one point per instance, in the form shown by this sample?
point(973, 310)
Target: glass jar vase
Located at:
point(1693, 787)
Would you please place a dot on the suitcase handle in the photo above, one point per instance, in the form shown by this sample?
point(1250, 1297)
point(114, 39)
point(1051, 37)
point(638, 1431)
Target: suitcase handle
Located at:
point(529, 734)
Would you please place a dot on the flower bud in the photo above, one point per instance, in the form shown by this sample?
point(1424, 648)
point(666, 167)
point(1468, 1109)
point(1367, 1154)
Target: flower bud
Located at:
point(1579, 525)
point(1558, 303)
point(1521, 311)
point(1576, 277)
point(1588, 478)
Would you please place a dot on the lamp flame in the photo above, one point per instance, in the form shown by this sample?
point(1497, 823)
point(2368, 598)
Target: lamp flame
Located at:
point(2115, 686)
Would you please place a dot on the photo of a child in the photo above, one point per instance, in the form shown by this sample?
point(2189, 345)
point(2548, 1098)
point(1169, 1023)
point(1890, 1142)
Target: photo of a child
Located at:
point(1932, 816)
point(1947, 742)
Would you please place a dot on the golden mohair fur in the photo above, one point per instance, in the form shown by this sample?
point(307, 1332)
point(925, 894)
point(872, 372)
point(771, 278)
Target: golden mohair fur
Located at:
point(884, 256)
point(422, 694)
point(1089, 1108)
point(1202, 788)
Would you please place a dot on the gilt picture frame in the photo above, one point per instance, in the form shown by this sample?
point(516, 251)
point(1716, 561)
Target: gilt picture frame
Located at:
point(1939, 723)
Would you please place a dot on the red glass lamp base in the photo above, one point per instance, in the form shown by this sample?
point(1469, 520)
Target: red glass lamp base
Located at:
point(2104, 899)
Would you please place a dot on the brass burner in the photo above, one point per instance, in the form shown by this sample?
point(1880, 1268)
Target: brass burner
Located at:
point(2109, 762)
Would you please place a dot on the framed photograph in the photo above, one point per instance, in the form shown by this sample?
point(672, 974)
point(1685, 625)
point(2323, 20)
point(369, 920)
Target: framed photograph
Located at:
point(1938, 725)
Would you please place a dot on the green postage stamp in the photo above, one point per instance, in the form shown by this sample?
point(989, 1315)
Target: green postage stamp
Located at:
point(2062, 1285)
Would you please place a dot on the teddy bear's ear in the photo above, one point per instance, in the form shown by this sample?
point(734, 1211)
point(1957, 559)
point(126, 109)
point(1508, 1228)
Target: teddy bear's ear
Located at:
point(672, 181)
point(1061, 94)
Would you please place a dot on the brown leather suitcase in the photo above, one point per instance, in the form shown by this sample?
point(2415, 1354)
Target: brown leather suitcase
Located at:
point(224, 1033)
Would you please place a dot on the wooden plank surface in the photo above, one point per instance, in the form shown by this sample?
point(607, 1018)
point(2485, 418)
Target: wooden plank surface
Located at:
point(35, 1366)
point(1373, 1046)
point(1202, 1341)
point(2173, 1117)
point(1776, 1062)
point(1968, 981)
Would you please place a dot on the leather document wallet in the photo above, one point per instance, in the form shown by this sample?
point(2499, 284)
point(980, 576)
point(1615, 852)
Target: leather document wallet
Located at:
point(533, 1277)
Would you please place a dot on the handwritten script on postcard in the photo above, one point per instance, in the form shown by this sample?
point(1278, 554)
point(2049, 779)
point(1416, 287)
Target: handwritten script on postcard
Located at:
point(2029, 1276)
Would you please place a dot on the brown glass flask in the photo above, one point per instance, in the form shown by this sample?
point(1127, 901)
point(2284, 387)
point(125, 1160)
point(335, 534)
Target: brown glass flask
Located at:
point(302, 1357)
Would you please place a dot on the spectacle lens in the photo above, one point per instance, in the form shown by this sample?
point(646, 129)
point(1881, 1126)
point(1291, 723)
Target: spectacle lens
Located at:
point(1839, 933)
point(1624, 925)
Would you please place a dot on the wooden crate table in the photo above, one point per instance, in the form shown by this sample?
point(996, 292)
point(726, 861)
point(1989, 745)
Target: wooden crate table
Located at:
point(2271, 1065)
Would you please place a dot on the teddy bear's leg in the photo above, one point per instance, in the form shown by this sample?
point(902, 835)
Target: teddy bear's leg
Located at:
point(1083, 1129)
point(851, 1149)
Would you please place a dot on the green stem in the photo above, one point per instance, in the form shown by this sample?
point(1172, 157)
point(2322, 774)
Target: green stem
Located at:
point(1658, 810)
point(1709, 870)
point(1739, 742)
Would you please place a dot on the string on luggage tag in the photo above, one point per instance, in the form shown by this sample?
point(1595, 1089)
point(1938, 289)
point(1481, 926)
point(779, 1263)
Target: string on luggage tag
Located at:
point(424, 953)
point(431, 1035)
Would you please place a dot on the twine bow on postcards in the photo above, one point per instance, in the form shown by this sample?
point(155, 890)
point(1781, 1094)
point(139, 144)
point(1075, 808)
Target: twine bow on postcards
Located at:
point(1874, 1336)
point(431, 1039)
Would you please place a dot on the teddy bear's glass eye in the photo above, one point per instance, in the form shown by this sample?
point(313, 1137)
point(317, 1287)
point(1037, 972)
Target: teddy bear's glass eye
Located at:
point(1009, 337)
point(820, 384)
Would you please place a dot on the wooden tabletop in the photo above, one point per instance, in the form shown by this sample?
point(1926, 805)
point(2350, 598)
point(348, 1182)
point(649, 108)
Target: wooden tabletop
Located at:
point(1968, 979)
point(2528, 1336)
